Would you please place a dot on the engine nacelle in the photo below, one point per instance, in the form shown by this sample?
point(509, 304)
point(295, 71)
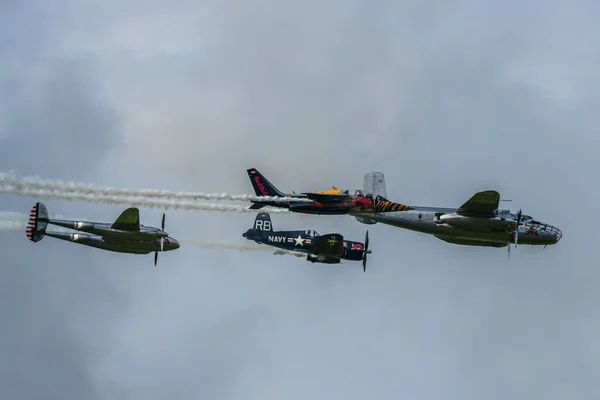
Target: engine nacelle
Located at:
point(82, 225)
point(366, 220)
point(77, 237)
point(462, 221)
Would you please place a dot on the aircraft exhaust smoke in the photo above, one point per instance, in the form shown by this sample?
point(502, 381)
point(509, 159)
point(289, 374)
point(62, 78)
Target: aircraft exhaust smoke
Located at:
point(238, 246)
point(222, 245)
point(16, 222)
point(12, 226)
point(70, 187)
point(133, 202)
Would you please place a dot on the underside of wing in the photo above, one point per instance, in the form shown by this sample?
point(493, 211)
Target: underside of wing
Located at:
point(323, 260)
point(330, 245)
point(467, 242)
point(482, 204)
point(129, 220)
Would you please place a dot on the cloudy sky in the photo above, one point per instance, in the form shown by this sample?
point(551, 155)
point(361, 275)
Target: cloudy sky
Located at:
point(444, 99)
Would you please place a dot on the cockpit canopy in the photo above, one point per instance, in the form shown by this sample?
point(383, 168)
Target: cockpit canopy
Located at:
point(526, 219)
point(311, 233)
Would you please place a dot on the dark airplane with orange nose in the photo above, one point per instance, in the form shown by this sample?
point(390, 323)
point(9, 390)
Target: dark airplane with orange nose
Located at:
point(333, 202)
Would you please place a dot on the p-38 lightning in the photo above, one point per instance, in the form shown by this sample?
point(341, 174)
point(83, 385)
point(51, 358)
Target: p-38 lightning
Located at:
point(125, 235)
point(327, 249)
point(478, 222)
point(331, 202)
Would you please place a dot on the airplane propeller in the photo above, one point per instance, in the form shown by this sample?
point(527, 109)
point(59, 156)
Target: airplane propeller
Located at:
point(366, 251)
point(519, 214)
point(162, 239)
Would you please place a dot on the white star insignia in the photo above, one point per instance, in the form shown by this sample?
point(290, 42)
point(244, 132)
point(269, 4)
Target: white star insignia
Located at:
point(299, 241)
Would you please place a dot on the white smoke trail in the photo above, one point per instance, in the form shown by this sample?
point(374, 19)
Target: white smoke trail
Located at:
point(280, 252)
point(43, 184)
point(133, 202)
point(238, 246)
point(223, 245)
point(16, 222)
point(12, 226)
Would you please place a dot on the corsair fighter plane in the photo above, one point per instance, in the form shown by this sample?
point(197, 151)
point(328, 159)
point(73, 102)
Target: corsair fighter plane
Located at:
point(125, 235)
point(333, 201)
point(327, 249)
point(478, 222)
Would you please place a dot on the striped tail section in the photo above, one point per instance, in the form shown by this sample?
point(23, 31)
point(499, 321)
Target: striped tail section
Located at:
point(37, 223)
point(32, 223)
point(383, 205)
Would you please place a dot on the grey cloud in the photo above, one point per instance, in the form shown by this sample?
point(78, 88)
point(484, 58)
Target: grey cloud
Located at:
point(430, 319)
point(55, 300)
point(440, 98)
point(62, 124)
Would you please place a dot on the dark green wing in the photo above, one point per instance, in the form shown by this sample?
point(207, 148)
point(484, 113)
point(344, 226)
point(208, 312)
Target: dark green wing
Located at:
point(482, 204)
point(129, 220)
point(330, 245)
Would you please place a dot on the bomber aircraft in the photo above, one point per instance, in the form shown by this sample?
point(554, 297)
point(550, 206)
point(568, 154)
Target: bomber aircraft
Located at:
point(478, 222)
point(333, 201)
point(125, 235)
point(328, 249)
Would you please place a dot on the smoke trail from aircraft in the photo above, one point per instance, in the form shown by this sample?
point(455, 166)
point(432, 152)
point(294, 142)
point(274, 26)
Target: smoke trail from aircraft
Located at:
point(16, 222)
point(12, 226)
point(222, 245)
point(133, 202)
point(238, 246)
point(70, 187)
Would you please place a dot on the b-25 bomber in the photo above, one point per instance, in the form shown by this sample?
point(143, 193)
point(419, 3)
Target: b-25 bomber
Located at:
point(328, 249)
point(125, 235)
point(478, 222)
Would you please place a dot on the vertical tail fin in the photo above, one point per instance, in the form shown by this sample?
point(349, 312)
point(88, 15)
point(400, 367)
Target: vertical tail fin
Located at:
point(263, 222)
point(374, 183)
point(262, 186)
point(38, 222)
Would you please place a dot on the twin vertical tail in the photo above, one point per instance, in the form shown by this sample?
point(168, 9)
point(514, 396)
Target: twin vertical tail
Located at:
point(38, 222)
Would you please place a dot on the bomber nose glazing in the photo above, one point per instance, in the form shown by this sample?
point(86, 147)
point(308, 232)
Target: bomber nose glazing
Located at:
point(173, 244)
point(549, 231)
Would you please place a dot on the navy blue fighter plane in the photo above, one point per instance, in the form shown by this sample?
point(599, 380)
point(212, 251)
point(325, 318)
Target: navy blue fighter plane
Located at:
point(328, 249)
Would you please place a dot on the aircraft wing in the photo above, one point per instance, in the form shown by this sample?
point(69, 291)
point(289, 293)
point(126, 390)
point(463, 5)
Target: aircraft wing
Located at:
point(328, 245)
point(129, 220)
point(326, 198)
point(333, 190)
point(482, 204)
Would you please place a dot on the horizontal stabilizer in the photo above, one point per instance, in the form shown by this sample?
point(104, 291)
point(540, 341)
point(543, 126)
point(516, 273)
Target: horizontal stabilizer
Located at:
point(257, 206)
